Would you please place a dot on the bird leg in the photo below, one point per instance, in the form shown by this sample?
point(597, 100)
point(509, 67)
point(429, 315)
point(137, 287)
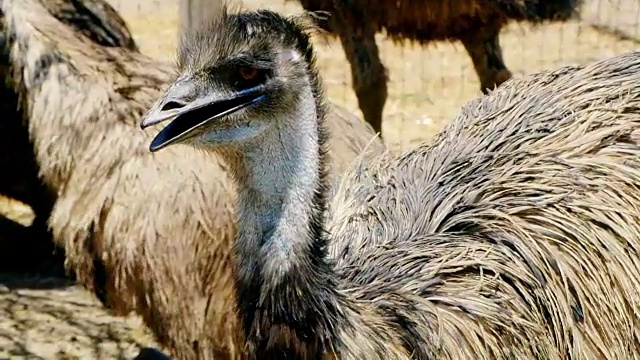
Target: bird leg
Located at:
point(484, 49)
point(368, 75)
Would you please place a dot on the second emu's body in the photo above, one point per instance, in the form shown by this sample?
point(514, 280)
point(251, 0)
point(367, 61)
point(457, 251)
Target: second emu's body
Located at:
point(143, 240)
point(475, 23)
point(98, 21)
point(515, 235)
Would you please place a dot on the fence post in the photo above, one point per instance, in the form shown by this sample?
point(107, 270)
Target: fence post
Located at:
point(193, 11)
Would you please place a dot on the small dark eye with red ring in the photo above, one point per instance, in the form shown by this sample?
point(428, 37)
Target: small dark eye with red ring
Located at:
point(248, 73)
point(245, 77)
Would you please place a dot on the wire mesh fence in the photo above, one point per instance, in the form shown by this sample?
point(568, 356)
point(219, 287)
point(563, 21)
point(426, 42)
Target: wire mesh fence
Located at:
point(428, 84)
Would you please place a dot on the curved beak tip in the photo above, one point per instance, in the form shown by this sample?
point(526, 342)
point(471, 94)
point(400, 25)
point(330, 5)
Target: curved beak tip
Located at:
point(196, 114)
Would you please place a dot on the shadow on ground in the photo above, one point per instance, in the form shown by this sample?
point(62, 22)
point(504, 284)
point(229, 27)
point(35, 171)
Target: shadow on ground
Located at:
point(25, 249)
point(45, 315)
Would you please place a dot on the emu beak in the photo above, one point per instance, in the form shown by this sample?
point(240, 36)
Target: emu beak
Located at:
point(189, 116)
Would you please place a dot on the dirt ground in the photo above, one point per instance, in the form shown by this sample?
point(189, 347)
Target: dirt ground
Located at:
point(49, 318)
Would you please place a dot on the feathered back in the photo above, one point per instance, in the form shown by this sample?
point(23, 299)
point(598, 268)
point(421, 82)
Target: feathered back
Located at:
point(517, 232)
point(147, 232)
point(97, 20)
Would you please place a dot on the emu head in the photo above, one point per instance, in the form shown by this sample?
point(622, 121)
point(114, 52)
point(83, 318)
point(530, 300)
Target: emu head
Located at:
point(239, 73)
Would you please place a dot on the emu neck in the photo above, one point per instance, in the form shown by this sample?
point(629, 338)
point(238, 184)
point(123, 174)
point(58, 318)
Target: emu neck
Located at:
point(283, 278)
point(276, 196)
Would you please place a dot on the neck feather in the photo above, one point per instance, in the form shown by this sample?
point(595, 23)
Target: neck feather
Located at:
point(284, 280)
point(280, 188)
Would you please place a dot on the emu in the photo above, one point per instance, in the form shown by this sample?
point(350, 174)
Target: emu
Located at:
point(144, 235)
point(475, 23)
point(97, 20)
point(515, 235)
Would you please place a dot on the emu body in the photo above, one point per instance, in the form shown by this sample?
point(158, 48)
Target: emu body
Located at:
point(141, 239)
point(515, 235)
point(97, 20)
point(475, 23)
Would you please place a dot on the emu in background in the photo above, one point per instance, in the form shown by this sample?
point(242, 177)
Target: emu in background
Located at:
point(98, 21)
point(475, 23)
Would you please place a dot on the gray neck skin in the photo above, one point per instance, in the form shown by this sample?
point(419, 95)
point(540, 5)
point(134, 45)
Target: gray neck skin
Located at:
point(281, 279)
point(277, 182)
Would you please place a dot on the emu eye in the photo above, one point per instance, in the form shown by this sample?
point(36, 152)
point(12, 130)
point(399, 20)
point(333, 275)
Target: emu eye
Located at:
point(248, 73)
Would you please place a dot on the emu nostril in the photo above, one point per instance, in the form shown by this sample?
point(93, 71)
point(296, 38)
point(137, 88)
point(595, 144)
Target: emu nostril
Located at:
point(171, 105)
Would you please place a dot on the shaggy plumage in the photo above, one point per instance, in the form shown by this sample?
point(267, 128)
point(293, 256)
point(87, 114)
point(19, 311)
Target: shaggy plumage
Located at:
point(475, 23)
point(149, 233)
point(515, 235)
point(97, 20)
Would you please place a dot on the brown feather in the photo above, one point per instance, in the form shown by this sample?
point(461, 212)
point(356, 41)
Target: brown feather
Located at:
point(516, 234)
